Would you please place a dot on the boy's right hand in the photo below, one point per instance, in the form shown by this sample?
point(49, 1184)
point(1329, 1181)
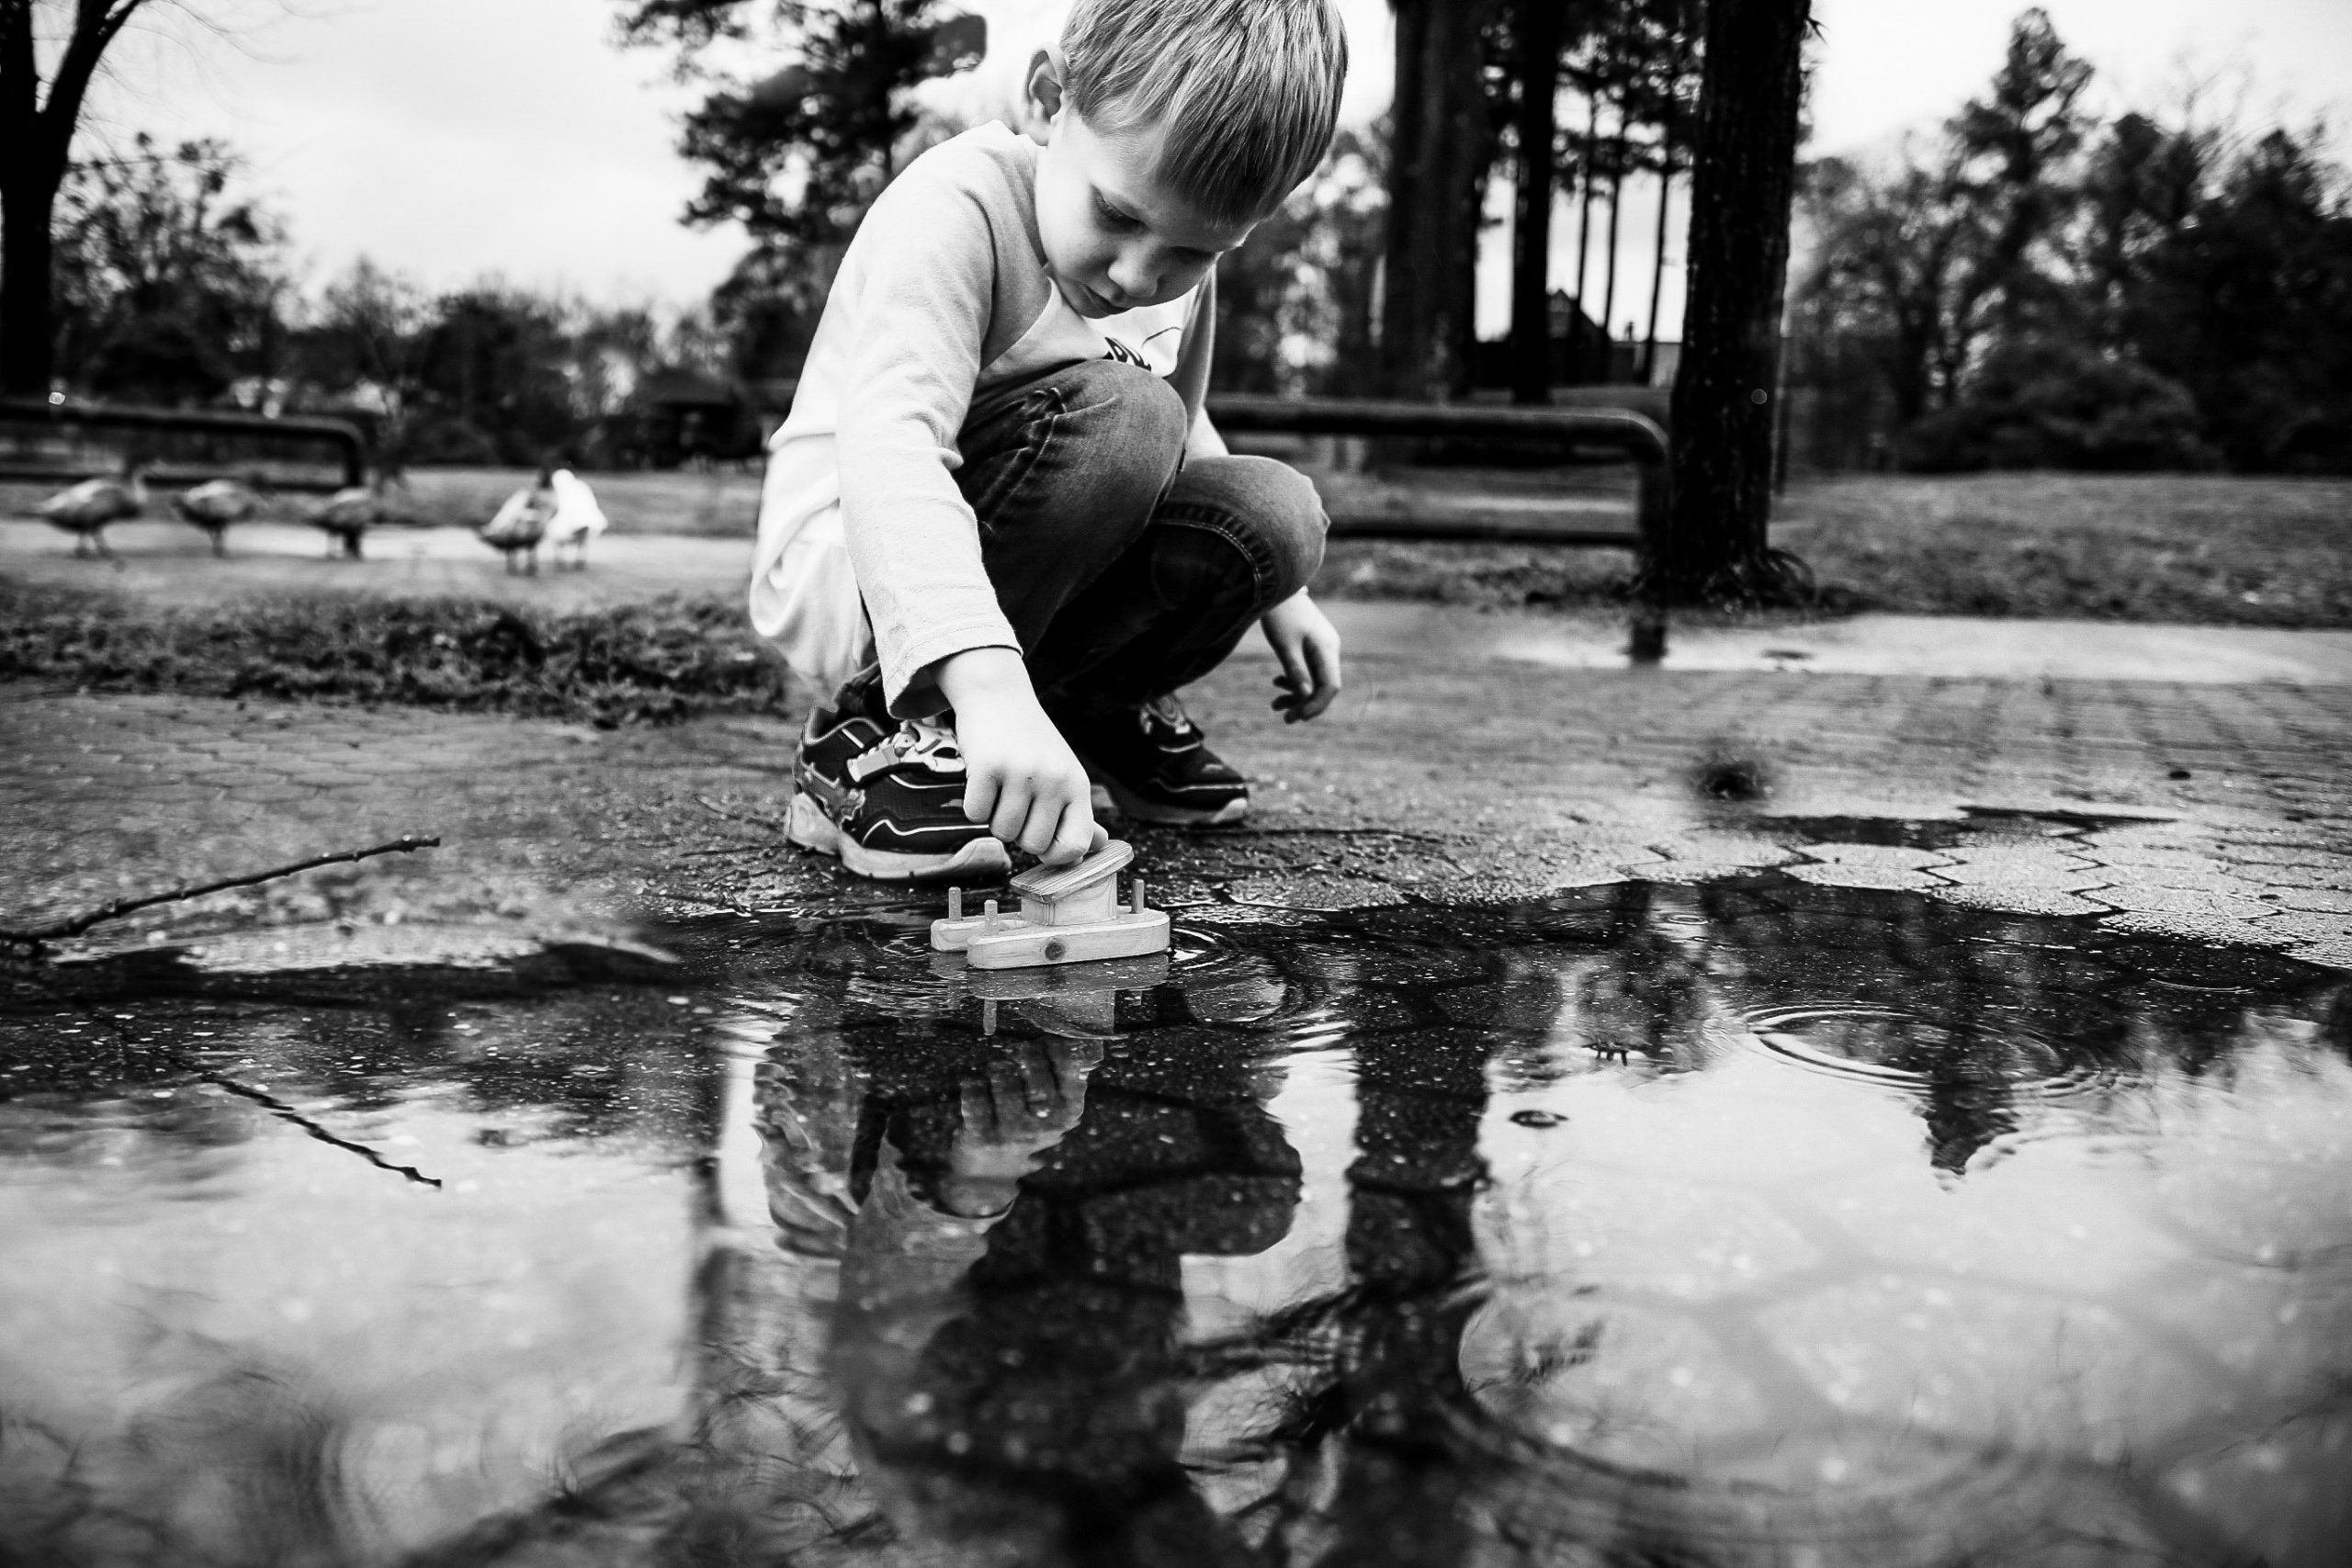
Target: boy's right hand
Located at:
point(1022, 778)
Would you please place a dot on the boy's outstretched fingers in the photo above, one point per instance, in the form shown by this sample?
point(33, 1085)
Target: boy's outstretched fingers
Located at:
point(1310, 679)
point(1307, 646)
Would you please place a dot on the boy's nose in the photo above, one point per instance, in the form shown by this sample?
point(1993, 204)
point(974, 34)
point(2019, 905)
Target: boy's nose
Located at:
point(1133, 276)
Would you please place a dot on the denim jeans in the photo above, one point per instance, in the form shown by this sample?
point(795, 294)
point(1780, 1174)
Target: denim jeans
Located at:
point(1126, 569)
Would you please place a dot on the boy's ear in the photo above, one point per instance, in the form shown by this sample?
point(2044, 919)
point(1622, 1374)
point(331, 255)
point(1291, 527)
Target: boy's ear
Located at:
point(1044, 98)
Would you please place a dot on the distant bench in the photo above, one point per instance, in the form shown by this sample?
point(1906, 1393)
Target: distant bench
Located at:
point(1569, 432)
point(69, 441)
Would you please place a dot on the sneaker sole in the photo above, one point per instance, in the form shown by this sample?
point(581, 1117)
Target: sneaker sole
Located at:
point(982, 860)
point(1159, 813)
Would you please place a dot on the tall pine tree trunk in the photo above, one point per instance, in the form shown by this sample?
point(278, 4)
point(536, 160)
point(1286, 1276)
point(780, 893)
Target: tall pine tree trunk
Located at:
point(1537, 66)
point(1664, 206)
point(1579, 349)
point(1435, 163)
point(1713, 546)
point(1609, 289)
point(1658, 261)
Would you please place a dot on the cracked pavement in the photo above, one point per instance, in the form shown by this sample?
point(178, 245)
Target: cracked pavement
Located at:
point(2215, 811)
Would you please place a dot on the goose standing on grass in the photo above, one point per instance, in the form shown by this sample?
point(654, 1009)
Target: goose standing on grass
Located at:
point(216, 503)
point(84, 510)
point(576, 519)
point(520, 523)
point(346, 515)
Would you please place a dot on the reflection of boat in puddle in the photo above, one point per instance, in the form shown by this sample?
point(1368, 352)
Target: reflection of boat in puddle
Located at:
point(1752, 1222)
point(1080, 996)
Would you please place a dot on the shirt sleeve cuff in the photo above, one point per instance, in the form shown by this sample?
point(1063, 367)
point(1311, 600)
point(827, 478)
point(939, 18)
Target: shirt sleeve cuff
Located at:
point(909, 678)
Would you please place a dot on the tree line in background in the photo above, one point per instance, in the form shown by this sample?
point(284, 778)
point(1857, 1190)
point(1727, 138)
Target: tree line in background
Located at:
point(795, 157)
point(1568, 99)
point(1597, 92)
point(142, 274)
point(2036, 287)
point(147, 274)
point(2032, 287)
point(171, 287)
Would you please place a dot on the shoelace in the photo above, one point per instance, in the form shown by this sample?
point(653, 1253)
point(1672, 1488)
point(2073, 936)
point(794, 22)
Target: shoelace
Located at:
point(1170, 713)
point(932, 745)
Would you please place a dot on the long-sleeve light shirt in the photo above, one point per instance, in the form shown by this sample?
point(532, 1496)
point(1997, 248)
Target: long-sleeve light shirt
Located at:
point(942, 308)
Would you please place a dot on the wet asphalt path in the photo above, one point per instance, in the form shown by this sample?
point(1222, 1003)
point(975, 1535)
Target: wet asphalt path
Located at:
point(1471, 756)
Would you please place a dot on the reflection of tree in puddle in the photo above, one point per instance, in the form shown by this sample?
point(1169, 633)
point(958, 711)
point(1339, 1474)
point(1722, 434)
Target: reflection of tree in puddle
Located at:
point(1969, 1011)
point(1896, 1377)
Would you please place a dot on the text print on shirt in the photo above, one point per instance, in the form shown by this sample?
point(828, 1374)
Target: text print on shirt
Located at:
point(1113, 349)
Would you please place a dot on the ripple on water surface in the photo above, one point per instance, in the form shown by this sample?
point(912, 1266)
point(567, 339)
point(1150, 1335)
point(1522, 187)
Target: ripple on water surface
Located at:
point(1754, 1222)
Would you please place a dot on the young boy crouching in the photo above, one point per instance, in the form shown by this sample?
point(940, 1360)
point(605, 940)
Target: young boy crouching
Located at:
point(999, 436)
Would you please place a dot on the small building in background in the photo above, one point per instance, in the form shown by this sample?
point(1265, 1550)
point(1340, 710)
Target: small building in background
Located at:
point(1581, 354)
point(680, 418)
point(683, 418)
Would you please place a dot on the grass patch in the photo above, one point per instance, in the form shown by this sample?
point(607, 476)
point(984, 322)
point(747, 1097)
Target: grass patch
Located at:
point(2206, 549)
point(1492, 576)
point(2198, 548)
point(719, 503)
point(663, 660)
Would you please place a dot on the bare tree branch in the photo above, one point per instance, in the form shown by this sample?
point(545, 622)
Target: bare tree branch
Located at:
point(77, 924)
point(95, 26)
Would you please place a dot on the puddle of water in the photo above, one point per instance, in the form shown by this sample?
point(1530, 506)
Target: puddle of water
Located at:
point(1977, 825)
point(1750, 1223)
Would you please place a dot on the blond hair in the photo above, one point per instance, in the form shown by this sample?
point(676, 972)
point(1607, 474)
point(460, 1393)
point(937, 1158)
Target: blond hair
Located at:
point(1244, 93)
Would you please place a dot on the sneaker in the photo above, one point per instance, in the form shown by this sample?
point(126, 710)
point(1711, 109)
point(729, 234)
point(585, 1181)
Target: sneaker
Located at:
point(836, 736)
point(889, 802)
point(1153, 763)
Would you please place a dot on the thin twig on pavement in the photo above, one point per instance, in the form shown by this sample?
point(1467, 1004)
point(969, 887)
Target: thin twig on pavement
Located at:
point(75, 925)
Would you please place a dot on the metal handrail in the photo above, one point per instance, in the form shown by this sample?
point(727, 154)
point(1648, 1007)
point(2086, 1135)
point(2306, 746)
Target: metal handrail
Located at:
point(348, 439)
point(1566, 430)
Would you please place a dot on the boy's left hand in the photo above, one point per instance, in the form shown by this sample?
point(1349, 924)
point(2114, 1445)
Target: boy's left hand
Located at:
point(1308, 646)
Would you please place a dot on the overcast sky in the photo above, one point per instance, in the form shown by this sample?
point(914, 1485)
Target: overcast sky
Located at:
point(450, 139)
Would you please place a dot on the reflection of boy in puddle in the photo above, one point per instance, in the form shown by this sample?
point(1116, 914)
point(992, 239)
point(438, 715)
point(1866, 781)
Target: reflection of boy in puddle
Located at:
point(1007, 1344)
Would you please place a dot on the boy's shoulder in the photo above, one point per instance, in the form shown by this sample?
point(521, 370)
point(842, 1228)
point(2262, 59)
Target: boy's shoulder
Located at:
point(990, 163)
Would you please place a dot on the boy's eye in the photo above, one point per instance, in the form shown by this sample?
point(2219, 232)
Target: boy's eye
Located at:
point(1114, 219)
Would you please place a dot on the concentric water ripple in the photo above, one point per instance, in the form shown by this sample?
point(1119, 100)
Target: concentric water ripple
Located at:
point(1904, 1051)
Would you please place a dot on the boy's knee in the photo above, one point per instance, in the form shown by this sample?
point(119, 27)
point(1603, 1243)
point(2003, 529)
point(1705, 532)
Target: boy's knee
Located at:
point(1286, 513)
point(1129, 411)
